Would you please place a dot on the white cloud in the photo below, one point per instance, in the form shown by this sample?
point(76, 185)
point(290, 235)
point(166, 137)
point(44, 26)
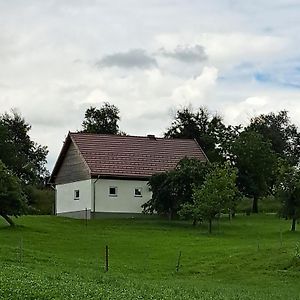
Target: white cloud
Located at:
point(256, 101)
point(235, 47)
point(264, 102)
point(196, 89)
point(228, 49)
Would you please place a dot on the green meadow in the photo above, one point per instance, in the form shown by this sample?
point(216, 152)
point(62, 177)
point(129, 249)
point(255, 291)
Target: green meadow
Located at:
point(249, 257)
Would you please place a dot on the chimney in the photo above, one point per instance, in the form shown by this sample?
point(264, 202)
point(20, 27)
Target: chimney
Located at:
point(151, 137)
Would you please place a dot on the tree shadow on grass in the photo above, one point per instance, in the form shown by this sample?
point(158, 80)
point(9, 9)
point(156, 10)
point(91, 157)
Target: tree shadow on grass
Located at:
point(4, 227)
point(20, 228)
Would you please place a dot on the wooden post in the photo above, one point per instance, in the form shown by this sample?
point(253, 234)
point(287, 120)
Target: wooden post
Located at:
point(86, 216)
point(21, 250)
point(106, 258)
point(178, 262)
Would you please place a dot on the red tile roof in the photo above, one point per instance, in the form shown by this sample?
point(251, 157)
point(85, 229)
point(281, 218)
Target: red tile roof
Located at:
point(132, 156)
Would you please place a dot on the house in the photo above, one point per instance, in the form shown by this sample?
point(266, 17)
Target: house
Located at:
point(97, 174)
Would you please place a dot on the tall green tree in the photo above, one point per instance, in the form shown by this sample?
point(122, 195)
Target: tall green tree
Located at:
point(280, 132)
point(217, 194)
point(288, 192)
point(103, 120)
point(173, 188)
point(12, 198)
point(256, 163)
point(25, 158)
point(209, 130)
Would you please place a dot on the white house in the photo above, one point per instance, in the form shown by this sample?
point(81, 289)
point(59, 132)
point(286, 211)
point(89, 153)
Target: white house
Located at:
point(98, 174)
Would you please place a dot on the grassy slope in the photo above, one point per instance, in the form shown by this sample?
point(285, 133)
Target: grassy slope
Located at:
point(243, 259)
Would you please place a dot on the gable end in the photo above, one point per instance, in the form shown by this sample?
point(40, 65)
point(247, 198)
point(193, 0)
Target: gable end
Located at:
point(72, 168)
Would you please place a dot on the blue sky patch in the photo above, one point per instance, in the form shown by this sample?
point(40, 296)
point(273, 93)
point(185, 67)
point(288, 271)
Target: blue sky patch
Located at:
point(262, 77)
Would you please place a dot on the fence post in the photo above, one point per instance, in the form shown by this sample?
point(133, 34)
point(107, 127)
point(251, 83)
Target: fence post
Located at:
point(21, 250)
point(106, 258)
point(86, 216)
point(178, 262)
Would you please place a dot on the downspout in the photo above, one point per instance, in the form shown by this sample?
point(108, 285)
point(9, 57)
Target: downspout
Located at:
point(94, 193)
point(55, 198)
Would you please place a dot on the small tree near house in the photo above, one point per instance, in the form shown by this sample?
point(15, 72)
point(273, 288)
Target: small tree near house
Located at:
point(216, 195)
point(173, 188)
point(12, 199)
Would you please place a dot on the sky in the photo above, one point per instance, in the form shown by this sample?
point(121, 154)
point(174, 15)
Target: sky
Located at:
point(149, 58)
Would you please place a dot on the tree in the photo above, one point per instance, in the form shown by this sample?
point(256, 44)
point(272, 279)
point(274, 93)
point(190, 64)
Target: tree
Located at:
point(278, 130)
point(288, 192)
point(173, 188)
point(255, 160)
point(103, 120)
point(12, 199)
point(163, 200)
point(216, 195)
point(209, 131)
point(25, 158)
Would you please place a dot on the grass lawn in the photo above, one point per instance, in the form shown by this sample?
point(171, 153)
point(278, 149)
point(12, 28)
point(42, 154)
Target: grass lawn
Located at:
point(251, 257)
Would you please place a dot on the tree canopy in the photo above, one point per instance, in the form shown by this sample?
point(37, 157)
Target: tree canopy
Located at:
point(288, 192)
point(256, 163)
point(12, 198)
point(25, 158)
point(217, 194)
point(209, 131)
point(280, 132)
point(102, 120)
point(173, 188)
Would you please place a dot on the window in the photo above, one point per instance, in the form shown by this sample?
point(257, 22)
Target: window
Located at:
point(113, 191)
point(76, 194)
point(138, 192)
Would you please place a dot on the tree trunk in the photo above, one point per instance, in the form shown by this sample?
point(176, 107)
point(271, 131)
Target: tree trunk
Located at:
point(229, 215)
point(209, 225)
point(293, 228)
point(255, 206)
point(194, 222)
point(7, 219)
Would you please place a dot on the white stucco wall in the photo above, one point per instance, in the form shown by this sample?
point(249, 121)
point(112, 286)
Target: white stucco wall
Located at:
point(65, 196)
point(125, 201)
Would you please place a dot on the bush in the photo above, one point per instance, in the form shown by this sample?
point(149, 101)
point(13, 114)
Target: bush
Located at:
point(41, 200)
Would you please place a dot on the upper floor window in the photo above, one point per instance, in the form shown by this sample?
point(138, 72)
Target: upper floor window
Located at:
point(76, 194)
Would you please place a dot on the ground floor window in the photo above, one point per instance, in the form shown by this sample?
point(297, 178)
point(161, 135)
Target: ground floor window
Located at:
point(76, 194)
point(113, 191)
point(138, 192)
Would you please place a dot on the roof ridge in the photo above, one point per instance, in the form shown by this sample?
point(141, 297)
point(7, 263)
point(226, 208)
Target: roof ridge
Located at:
point(130, 136)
